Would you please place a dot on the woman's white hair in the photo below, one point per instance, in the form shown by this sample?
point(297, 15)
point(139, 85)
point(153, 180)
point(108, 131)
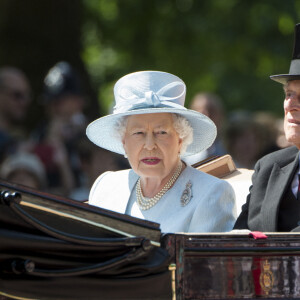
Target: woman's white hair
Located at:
point(184, 130)
point(180, 123)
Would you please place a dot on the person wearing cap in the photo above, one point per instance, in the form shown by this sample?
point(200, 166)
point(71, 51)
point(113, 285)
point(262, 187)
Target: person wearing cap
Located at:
point(25, 169)
point(56, 138)
point(153, 129)
point(273, 204)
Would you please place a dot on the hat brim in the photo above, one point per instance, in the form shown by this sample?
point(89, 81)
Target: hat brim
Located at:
point(284, 78)
point(100, 131)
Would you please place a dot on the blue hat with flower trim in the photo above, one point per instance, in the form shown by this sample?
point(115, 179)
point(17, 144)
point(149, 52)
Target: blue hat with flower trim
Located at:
point(149, 92)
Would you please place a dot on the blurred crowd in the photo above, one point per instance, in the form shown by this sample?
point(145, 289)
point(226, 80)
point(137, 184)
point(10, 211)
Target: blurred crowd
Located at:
point(246, 136)
point(57, 157)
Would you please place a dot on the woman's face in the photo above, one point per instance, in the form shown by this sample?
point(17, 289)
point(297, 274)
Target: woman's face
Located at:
point(152, 145)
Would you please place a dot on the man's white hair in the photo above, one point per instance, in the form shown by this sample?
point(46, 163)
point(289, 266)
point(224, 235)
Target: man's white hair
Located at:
point(180, 123)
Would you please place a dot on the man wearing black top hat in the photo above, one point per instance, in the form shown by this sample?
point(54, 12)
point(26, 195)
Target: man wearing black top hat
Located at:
point(273, 203)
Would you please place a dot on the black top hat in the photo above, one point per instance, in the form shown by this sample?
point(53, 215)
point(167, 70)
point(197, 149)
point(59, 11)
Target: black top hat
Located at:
point(61, 80)
point(294, 73)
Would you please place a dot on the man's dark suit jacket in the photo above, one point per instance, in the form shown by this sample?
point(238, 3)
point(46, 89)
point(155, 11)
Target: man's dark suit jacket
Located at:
point(271, 182)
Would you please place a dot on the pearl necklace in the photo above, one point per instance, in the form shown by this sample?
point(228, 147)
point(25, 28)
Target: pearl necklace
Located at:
point(146, 203)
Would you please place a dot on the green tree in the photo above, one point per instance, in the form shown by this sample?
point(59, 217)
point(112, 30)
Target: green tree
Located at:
point(225, 46)
point(228, 47)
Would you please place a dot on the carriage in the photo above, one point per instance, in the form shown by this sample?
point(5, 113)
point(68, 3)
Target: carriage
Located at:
point(56, 248)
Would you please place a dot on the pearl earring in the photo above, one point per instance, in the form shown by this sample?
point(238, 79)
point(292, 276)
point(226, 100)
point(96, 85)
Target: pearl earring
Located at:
point(125, 155)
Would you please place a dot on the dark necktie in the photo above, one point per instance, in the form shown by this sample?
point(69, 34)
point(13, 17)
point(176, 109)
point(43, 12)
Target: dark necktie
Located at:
point(298, 193)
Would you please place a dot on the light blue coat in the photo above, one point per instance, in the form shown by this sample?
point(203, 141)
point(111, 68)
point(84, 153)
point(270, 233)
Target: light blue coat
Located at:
point(210, 209)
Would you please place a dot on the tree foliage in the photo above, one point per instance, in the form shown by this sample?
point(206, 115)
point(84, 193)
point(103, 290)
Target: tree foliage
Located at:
point(228, 47)
point(225, 46)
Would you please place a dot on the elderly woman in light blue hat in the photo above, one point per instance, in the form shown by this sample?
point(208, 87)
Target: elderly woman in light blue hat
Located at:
point(152, 128)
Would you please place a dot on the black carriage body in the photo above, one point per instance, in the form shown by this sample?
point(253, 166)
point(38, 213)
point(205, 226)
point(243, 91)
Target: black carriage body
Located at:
point(56, 248)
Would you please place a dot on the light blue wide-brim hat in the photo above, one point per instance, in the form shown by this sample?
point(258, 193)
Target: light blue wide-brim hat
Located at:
point(149, 92)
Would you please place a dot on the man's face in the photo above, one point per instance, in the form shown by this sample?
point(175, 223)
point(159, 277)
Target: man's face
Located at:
point(292, 112)
point(14, 97)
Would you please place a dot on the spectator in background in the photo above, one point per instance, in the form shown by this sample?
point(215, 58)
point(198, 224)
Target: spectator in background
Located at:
point(25, 169)
point(268, 132)
point(55, 140)
point(95, 161)
point(210, 105)
point(250, 136)
point(242, 139)
point(15, 98)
